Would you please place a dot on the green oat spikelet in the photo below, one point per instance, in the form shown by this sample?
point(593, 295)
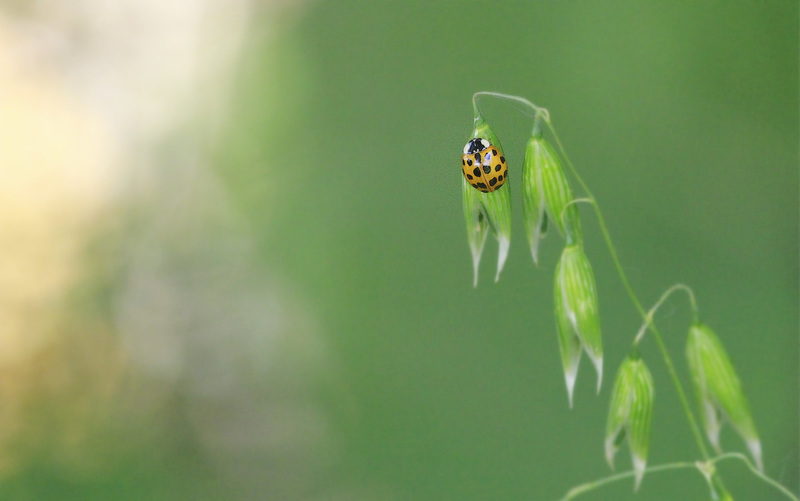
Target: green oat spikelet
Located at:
point(631, 414)
point(546, 195)
point(477, 224)
point(487, 210)
point(577, 314)
point(718, 390)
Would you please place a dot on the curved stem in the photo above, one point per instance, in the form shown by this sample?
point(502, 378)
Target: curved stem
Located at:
point(601, 220)
point(539, 112)
point(703, 467)
point(576, 201)
point(590, 486)
point(635, 300)
point(543, 113)
point(756, 472)
point(712, 478)
point(649, 316)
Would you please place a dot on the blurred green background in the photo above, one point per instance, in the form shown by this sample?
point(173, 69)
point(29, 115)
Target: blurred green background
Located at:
point(340, 161)
point(683, 119)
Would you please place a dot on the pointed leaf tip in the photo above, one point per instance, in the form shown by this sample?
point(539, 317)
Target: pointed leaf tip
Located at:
point(476, 261)
point(598, 366)
point(755, 450)
point(502, 254)
point(639, 466)
point(570, 380)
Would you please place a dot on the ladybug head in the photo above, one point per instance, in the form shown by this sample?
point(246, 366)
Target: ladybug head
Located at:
point(476, 145)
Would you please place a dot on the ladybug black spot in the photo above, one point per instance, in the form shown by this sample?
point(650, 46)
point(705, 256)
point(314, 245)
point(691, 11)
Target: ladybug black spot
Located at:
point(497, 168)
point(463, 162)
point(469, 176)
point(481, 186)
point(477, 172)
point(487, 169)
point(503, 159)
point(500, 177)
point(494, 152)
point(477, 158)
point(493, 181)
point(469, 162)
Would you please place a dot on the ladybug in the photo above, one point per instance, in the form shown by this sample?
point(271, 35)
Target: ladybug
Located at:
point(484, 165)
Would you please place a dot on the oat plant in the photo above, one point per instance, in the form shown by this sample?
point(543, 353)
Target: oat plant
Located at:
point(549, 202)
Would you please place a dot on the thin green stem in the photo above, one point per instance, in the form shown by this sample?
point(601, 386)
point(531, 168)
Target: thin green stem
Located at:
point(649, 317)
point(575, 201)
point(705, 468)
point(543, 113)
point(539, 112)
point(714, 480)
point(590, 486)
point(756, 472)
point(698, 437)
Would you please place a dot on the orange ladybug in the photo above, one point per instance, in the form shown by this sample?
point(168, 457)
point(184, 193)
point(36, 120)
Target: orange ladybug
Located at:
point(484, 165)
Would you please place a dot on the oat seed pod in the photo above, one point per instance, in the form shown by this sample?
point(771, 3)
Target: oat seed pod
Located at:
point(577, 317)
point(477, 224)
point(546, 194)
point(718, 390)
point(483, 211)
point(631, 413)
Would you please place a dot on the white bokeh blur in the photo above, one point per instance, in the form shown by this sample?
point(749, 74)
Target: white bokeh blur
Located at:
point(107, 113)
